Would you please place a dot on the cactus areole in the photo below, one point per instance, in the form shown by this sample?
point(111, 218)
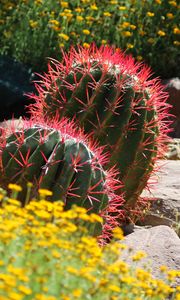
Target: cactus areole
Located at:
point(114, 99)
point(59, 158)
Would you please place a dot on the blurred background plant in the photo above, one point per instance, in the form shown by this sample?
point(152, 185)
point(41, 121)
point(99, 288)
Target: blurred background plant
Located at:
point(32, 30)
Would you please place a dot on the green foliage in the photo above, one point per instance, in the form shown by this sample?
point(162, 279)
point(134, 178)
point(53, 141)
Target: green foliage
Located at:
point(32, 30)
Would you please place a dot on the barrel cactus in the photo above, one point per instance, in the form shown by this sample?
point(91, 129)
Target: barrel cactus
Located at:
point(114, 99)
point(58, 157)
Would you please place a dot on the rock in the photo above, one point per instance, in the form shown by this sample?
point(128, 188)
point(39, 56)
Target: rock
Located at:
point(15, 82)
point(166, 209)
point(172, 86)
point(160, 243)
point(173, 149)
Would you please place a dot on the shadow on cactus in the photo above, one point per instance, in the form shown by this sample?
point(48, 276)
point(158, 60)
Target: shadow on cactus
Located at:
point(115, 100)
point(59, 157)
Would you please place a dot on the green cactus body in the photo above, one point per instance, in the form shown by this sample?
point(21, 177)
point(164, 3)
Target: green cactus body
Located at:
point(114, 100)
point(58, 159)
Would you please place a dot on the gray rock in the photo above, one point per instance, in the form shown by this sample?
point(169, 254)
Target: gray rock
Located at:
point(160, 243)
point(172, 86)
point(173, 150)
point(166, 209)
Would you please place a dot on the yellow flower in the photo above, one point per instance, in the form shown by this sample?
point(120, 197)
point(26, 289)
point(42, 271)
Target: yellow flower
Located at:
point(142, 32)
point(95, 218)
point(176, 30)
point(77, 293)
point(139, 255)
point(64, 4)
point(129, 46)
point(55, 254)
point(54, 22)
point(114, 288)
point(86, 31)
point(94, 7)
point(122, 7)
point(79, 18)
point(118, 233)
point(113, 2)
point(176, 43)
point(107, 14)
point(150, 41)
point(33, 24)
point(173, 3)
point(25, 290)
point(125, 24)
point(161, 33)
point(133, 27)
point(15, 296)
point(126, 33)
point(38, 2)
point(103, 42)
point(150, 14)
point(86, 45)
point(158, 1)
point(45, 192)
point(139, 57)
point(15, 187)
point(170, 15)
point(78, 9)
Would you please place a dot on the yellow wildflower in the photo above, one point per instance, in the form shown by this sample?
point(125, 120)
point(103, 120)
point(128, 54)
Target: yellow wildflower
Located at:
point(176, 30)
point(25, 290)
point(139, 255)
point(150, 14)
point(114, 288)
point(150, 41)
point(103, 42)
point(161, 33)
point(15, 187)
point(142, 32)
point(125, 24)
point(122, 7)
point(176, 43)
point(158, 1)
point(78, 9)
point(38, 2)
point(94, 7)
point(45, 192)
point(170, 15)
point(129, 46)
point(64, 4)
point(86, 31)
point(139, 57)
point(133, 27)
point(86, 45)
point(77, 293)
point(15, 296)
point(173, 3)
point(113, 2)
point(107, 14)
point(79, 18)
point(126, 33)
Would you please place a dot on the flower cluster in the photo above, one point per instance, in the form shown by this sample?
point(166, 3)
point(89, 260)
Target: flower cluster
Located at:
point(47, 254)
